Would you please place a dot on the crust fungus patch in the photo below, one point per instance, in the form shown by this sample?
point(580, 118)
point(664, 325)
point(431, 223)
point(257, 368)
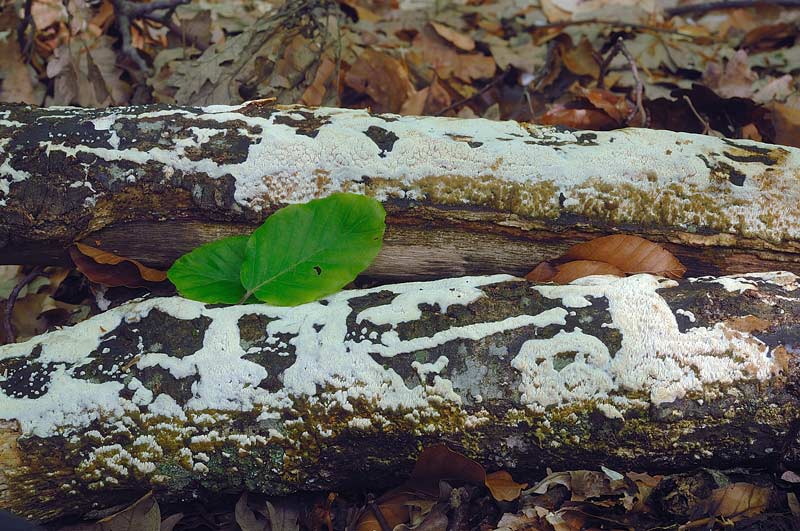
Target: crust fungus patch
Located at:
point(272, 155)
point(456, 356)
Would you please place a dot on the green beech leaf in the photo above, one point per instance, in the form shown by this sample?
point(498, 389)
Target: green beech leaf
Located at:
point(211, 272)
point(304, 252)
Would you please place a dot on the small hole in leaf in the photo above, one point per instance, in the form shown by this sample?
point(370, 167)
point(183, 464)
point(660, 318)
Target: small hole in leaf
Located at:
point(318, 270)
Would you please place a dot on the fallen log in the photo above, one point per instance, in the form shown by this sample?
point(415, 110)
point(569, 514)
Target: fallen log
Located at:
point(638, 373)
point(463, 196)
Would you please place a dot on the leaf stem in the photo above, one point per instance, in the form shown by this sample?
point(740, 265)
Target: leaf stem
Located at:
point(245, 297)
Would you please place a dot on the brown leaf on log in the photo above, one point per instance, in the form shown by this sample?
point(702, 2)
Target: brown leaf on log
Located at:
point(110, 269)
point(631, 254)
point(617, 255)
point(565, 273)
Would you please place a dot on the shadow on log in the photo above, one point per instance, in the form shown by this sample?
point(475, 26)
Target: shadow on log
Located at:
point(638, 373)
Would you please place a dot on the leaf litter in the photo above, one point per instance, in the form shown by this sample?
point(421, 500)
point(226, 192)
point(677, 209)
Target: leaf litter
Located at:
point(729, 72)
point(553, 62)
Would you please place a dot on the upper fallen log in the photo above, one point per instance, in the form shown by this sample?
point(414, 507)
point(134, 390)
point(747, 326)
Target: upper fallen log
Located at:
point(463, 196)
point(191, 399)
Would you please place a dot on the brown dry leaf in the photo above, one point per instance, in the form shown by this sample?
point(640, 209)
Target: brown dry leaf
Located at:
point(383, 78)
point(580, 59)
point(394, 506)
point(503, 487)
point(362, 12)
point(17, 84)
point(246, 517)
point(794, 504)
point(631, 254)
point(45, 13)
point(786, 120)
point(616, 106)
point(438, 462)
point(554, 12)
point(735, 502)
point(112, 270)
point(585, 484)
point(459, 40)
point(543, 272)
point(447, 62)
point(751, 132)
point(415, 104)
point(526, 520)
point(315, 92)
point(778, 88)
point(297, 56)
point(566, 273)
point(86, 73)
point(645, 483)
point(767, 37)
point(35, 310)
point(578, 118)
point(143, 515)
point(734, 80)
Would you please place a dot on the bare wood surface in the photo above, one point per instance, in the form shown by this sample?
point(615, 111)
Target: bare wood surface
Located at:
point(463, 196)
point(638, 373)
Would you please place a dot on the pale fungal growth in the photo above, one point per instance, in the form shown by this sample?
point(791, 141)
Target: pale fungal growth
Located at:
point(292, 154)
point(568, 366)
point(206, 386)
point(655, 355)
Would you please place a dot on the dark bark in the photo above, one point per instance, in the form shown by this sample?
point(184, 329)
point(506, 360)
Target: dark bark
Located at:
point(191, 400)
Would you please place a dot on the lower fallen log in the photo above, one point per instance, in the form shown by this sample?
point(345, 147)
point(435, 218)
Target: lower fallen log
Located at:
point(191, 399)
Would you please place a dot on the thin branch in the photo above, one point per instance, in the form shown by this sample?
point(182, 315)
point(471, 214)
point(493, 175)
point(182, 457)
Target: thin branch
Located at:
point(22, 28)
point(619, 47)
point(706, 127)
point(376, 510)
point(700, 9)
point(126, 11)
point(12, 299)
point(614, 24)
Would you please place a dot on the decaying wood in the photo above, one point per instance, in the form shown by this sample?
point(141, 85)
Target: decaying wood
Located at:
point(638, 373)
point(463, 196)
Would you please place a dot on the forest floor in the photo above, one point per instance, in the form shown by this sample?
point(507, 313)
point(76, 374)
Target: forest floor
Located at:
point(728, 69)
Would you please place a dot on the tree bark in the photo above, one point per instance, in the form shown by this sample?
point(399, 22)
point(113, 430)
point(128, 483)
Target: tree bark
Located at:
point(463, 196)
point(192, 399)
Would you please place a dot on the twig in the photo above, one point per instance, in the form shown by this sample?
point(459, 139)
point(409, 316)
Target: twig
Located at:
point(126, 11)
point(376, 510)
point(619, 47)
point(699, 9)
point(12, 299)
point(613, 24)
point(483, 90)
point(706, 127)
point(23, 27)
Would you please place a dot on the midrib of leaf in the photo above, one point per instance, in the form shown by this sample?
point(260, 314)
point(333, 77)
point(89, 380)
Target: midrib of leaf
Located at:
point(279, 273)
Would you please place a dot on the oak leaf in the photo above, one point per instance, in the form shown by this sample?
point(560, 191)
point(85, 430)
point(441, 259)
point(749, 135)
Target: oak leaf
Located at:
point(459, 40)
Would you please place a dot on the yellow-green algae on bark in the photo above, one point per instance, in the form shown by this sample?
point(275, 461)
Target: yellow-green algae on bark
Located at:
point(191, 399)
